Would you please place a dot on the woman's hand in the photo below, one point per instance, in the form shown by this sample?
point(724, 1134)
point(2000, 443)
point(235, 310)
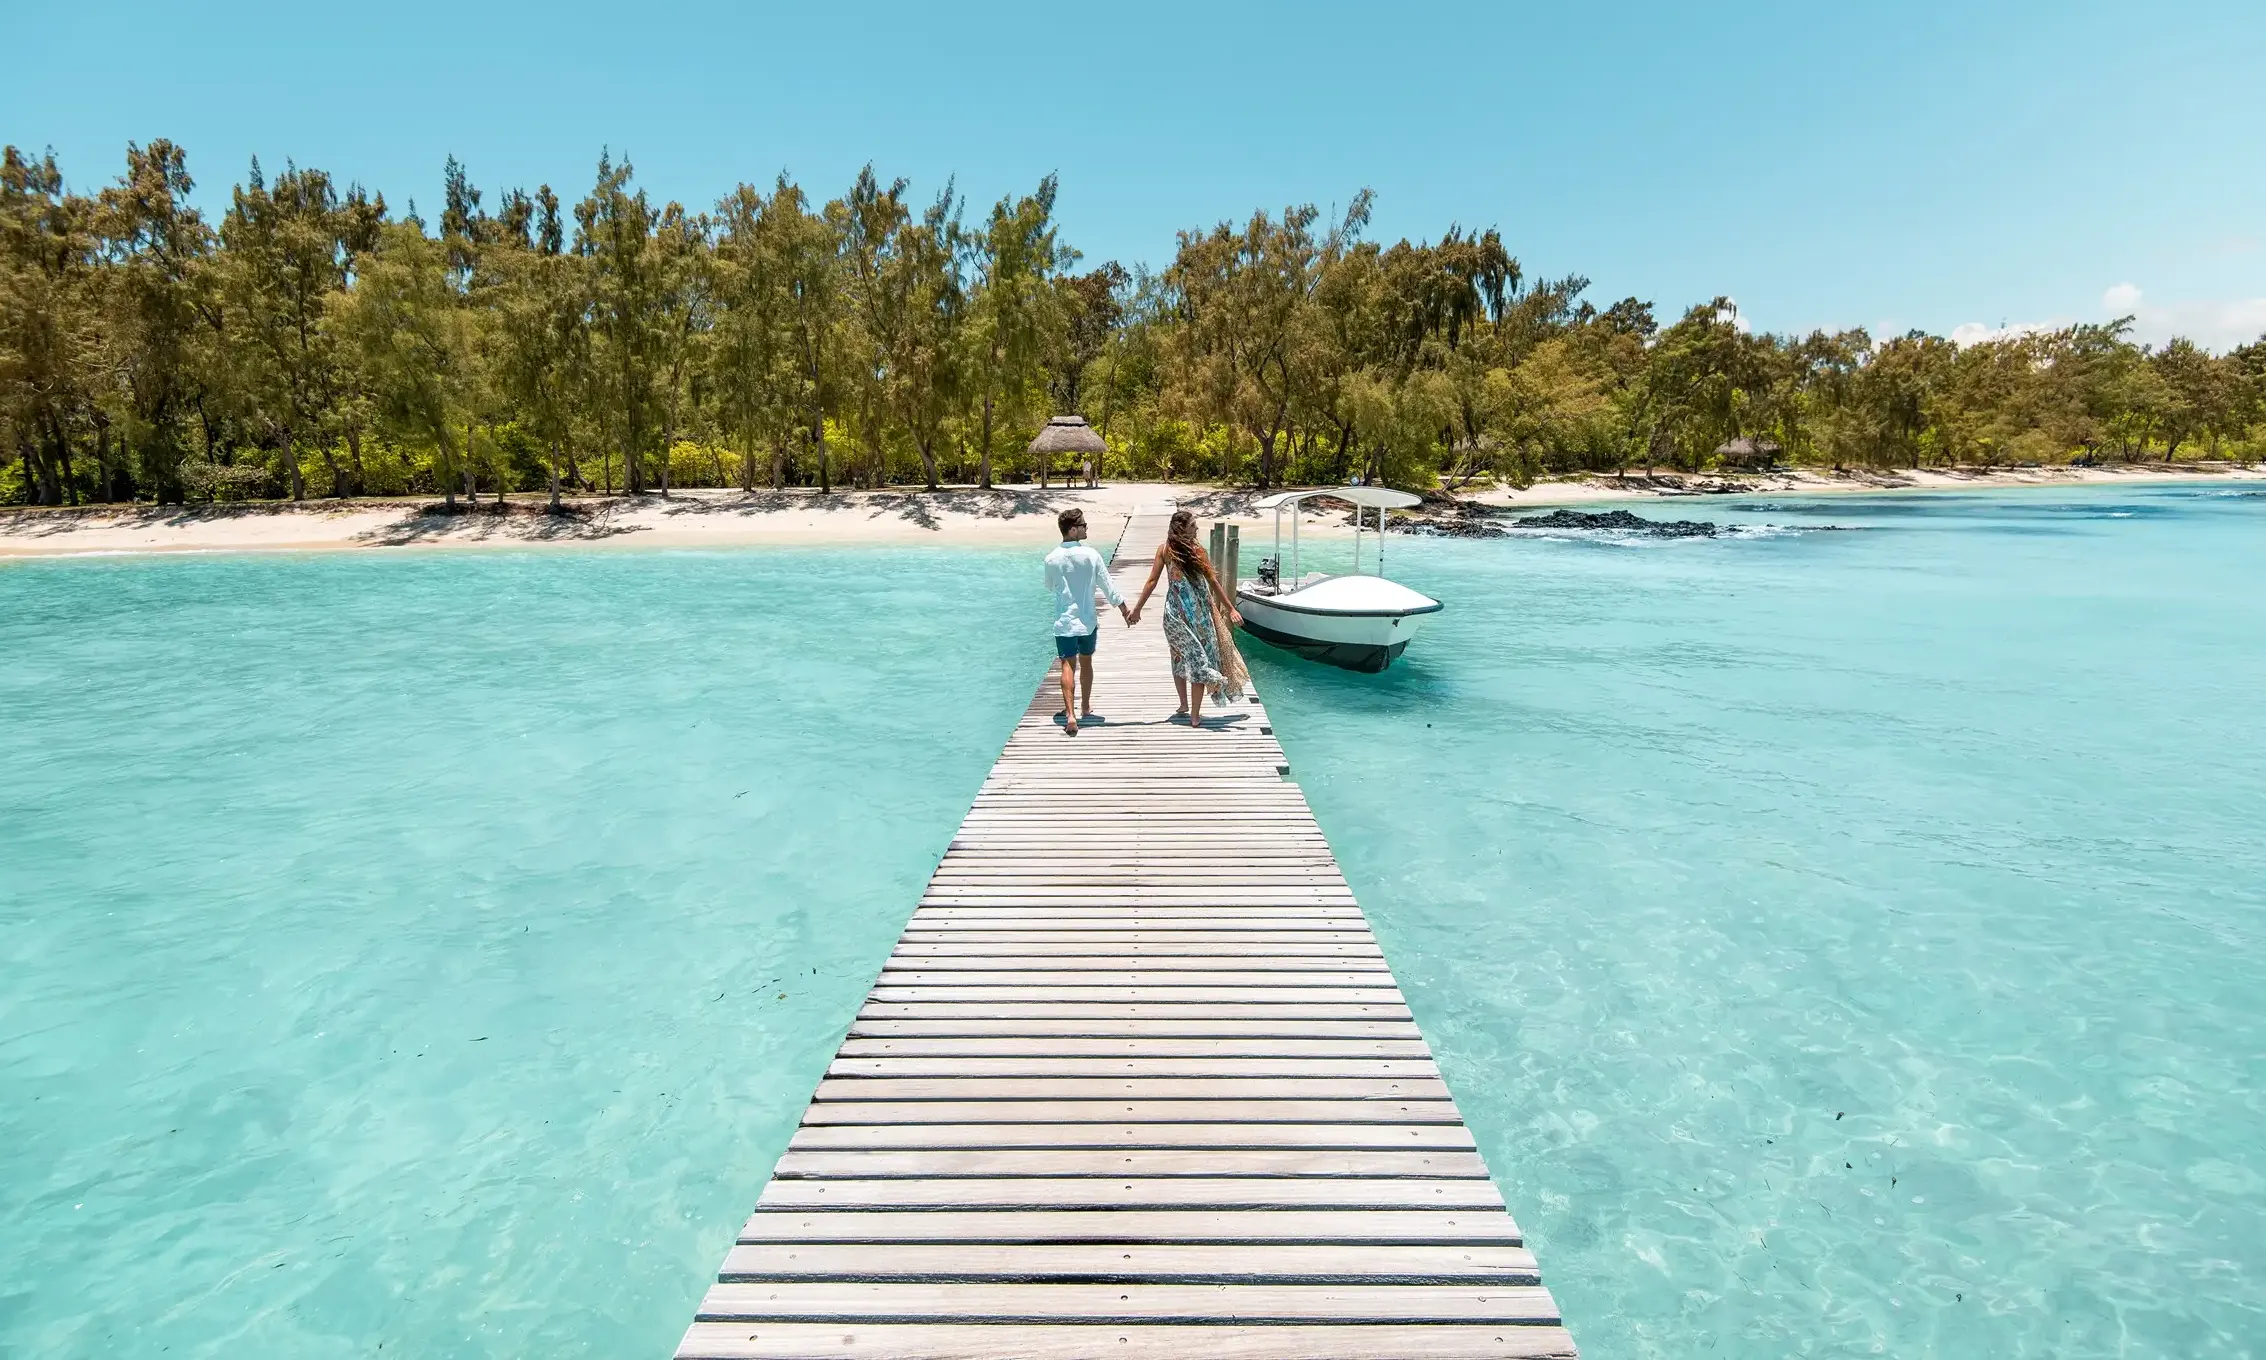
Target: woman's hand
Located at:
point(1234, 615)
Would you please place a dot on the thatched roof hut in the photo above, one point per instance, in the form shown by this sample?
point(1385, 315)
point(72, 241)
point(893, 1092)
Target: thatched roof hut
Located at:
point(1748, 453)
point(1068, 434)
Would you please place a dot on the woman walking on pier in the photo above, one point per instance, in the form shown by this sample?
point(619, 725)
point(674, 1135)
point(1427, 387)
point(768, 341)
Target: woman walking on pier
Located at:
point(1198, 617)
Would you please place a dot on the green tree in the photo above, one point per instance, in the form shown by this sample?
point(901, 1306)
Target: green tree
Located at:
point(418, 346)
point(51, 351)
point(285, 254)
point(1015, 315)
point(614, 234)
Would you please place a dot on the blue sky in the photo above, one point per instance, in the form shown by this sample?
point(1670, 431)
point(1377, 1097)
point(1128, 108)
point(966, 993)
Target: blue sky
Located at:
point(1917, 164)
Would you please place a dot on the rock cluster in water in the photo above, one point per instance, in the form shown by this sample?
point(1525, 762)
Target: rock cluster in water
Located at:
point(1472, 521)
point(1619, 519)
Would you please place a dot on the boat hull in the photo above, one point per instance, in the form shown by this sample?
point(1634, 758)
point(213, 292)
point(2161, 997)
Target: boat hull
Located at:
point(1367, 643)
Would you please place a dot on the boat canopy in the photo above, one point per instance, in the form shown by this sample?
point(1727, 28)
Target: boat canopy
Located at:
point(1371, 497)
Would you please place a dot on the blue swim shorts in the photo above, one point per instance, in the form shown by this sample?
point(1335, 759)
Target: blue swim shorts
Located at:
point(1077, 644)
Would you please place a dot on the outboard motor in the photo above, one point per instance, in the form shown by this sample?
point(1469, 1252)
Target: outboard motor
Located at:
point(1270, 572)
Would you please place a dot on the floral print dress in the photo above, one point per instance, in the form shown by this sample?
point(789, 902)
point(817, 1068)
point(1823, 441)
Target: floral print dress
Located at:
point(1202, 652)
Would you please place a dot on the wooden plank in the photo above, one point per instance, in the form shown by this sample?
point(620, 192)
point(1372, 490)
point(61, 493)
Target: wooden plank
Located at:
point(1132, 1088)
point(1145, 1192)
point(1027, 933)
point(1026, 1162)
point(960, 1341)
point(1391, 1227)
point(1137, 944)
point(932, 924)
point(1255, 1114)
point(1099, 1065)
point(1150, 973)
point(1504, 1304)
point(1178, 1262)
point(1242, 993)
point(1114, 1007)
point(1306, 968)
point(1452, 1137)
point(1095, 1027)
point(1144, 1045)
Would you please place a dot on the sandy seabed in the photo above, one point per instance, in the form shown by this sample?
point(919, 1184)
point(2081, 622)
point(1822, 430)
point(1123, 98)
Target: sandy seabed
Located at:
point(1006, 516)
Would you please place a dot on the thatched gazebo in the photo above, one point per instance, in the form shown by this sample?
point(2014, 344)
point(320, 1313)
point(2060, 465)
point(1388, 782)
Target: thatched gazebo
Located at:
point(1068, 434)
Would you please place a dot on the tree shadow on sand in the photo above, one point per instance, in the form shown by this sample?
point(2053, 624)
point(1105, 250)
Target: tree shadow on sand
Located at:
point(438, 523)
point(56, 521)
point(1220, 504)
point(922, 508)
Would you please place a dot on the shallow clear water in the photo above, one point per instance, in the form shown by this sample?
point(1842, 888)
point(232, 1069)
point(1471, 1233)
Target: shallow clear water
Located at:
point(433, 953)
point(1843, 943)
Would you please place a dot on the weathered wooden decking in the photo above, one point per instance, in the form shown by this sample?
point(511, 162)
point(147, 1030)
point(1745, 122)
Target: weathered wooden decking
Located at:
point(1136, 1082)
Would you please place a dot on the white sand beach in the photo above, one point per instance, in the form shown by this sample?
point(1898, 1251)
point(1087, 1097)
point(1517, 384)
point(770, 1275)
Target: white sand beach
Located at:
point(1006, 516)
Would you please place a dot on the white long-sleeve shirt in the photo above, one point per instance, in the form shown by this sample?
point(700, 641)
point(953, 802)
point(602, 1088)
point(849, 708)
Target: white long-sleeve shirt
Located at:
point(1074, 572)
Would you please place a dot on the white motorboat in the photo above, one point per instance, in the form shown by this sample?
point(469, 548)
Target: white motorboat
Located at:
point(1359, 621)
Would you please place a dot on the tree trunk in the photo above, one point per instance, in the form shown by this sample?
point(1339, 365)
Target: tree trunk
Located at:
point(818, 439)
point(554, 476)
point(102, 458)
point(983, 462)
point(928, 459)
point(354, 456)
point(70, 487)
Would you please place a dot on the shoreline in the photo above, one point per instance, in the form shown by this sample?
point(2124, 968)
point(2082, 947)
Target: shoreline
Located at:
point(1020, 516)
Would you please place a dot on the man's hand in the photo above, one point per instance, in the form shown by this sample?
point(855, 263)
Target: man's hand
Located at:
point(1130, 615)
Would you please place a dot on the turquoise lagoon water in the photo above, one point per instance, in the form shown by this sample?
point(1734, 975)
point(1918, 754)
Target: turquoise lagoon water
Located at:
point(1842, 943)
point(430, 955)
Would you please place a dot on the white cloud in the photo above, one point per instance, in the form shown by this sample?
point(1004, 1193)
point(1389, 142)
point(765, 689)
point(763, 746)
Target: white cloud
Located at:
point(1976, 333)
point(1737, 319)
point(2215, 325)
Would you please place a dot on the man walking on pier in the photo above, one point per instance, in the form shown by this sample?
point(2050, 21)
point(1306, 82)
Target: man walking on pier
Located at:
point(1074, 572)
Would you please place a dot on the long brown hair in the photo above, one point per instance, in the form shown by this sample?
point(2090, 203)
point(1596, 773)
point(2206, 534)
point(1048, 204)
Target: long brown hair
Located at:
point(1180, 537)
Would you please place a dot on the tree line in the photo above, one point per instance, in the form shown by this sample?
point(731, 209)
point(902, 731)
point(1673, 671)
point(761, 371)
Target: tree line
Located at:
point(313, 343)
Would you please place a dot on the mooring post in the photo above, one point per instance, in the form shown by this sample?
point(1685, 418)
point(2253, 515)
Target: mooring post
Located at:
point(1233, 557)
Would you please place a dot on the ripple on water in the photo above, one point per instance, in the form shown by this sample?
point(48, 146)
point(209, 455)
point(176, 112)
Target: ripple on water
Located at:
point(1842, 943)
point(433, 953)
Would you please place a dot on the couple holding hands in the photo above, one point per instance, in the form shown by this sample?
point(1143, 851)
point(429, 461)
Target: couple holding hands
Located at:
point(1199, 618)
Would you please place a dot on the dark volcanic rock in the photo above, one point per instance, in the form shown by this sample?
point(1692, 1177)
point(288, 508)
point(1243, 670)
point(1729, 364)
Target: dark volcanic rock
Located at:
point(1618, 519)
point(1460, 526)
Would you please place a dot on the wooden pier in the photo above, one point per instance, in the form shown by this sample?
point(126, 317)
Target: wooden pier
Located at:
point(1135, 1083)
